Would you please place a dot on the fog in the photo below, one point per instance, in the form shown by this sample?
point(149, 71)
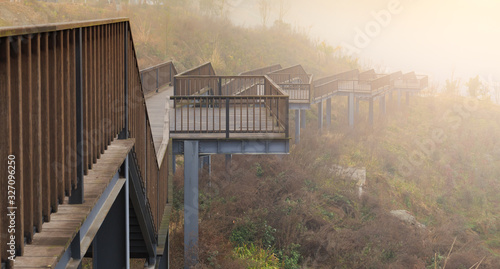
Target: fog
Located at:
point(430, 37)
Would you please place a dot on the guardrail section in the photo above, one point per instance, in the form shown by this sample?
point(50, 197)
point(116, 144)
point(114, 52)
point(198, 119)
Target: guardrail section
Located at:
point(228, 105)
point(62, 102)
point(295, 82)
point(156, 77)
point(411, 81)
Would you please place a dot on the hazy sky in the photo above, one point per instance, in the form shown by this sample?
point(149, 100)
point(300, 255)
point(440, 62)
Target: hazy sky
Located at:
point(431, 37)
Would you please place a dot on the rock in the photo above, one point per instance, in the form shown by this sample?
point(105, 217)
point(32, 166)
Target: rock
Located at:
point(407, 217)
point(356, 174)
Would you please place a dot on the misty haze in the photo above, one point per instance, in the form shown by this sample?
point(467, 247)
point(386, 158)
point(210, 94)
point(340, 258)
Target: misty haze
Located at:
point(250, 134)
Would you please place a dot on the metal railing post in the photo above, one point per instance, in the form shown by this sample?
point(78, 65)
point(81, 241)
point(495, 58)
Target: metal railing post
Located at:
point(227, 117)
point(157, 79)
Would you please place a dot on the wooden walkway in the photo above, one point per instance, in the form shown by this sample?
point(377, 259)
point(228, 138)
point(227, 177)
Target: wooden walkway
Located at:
point(56, 236)
point(155, 103)
point(245, 122)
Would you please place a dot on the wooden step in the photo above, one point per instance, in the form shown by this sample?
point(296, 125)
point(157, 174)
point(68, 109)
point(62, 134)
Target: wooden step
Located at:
point(56, 236)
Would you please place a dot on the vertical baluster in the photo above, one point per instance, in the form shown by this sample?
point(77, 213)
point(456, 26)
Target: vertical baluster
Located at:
point(27, 132)
point(60, 87)
point(77, 192)
point(5, 115)
point(37, 134)
point(14, 85)
point(54, 88)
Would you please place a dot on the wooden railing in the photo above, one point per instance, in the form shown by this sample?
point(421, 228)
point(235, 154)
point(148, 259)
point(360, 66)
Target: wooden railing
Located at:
point(228, 104)
point(152, 171)
point(297, 86)
point(378, 84)
point(158, 76)
point(327, 86)
point(220, 85)
point(417, 83)
point(367, 75)
point(348, 75)
point(296, 69)
point(63, 91)
point(205, 69)
point(325, 89)
point(262, 71)
point(295, 82)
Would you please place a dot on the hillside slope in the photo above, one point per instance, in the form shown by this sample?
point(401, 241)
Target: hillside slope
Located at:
point(294, 211)
point(178, 31)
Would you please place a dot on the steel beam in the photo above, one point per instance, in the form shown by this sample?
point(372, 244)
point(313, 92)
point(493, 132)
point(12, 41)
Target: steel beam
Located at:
point(138, 198)
point(297, 126)
point(351, 109)
point(235, 146)
point(108, 246)
point(190, 203)
point(90, 227)
point(301, 106)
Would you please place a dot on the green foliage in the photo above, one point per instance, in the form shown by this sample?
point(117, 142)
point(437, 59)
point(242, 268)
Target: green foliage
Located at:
point(476, 88)
point(268, 236)
point(257, 257)
point(244, 234)
point(259, 172)
point(290, 256)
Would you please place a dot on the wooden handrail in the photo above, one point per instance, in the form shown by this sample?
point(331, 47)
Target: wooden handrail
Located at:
point(156, 77)
point(45, 77)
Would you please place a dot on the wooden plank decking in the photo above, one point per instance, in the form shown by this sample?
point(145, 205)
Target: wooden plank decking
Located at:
point(155, 103)
point(49, 245)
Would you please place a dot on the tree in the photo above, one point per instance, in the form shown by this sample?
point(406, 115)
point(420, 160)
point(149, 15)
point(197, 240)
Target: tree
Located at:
point(264, 9)
point(452, 85)
point(326, 50)
point(283, 9)
point(476, 88)
point(216, 8)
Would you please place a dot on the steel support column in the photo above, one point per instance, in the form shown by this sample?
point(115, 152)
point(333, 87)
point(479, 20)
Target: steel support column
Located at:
point(351, 109)
point(382, 105)
point(127, 213)
point(303, 119)
point(173, 163)
point(297, 126)
point(320, 115)
point(328, 112)
point(399, 98)
point(370, 111)
point(191, 151)
point(229, 158)
point(109, 244)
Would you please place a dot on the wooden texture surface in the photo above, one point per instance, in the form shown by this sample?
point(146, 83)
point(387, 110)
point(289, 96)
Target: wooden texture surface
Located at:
point(48, 246)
